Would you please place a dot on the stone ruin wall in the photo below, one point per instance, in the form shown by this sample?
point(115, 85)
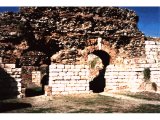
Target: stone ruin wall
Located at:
point(71, 79)
point(127, 76)
point(68, 79)
point(10, 81)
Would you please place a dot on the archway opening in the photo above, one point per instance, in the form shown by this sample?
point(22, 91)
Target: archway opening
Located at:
point(97, 84)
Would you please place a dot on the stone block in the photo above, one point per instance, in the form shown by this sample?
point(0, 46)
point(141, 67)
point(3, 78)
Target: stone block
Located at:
point(13, 76)
point(69, 89)
point(76, 70)
point(53, 74)
point(62, 73)
point(70, 85)
point(69, 74)
point(87, 73)
point(75, 77)
point(50, 83)
point(67, 77)
point(73, 81)
point(51, 78)
point(82, 81)
point(72, 66)
point(18, 69)
point(10, 66)
point(87, 88)
point(18, 79)
point(0, 60)
point(156, 69)
point(86, 66)
point(56, 70)
point(57, 81)
point(81, 88)
point(149, 42)
point(53, 66)
point(19, 88)
point(19, 84)
point(84, 85)
point(84, 77)
point(8, 70)
point(76, 73)
point(67, 66)
point(2, 65)
point(60, 66)
point(54, 89)
point(82, 73)
point(79, 66)
point(65, 70)
point(59, 77)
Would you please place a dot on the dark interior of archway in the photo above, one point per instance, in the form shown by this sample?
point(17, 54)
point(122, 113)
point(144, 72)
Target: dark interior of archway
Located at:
point(39, 90)
point(104, 56)
point(97, 85)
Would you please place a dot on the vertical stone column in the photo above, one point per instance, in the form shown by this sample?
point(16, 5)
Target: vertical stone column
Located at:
point(99, 43)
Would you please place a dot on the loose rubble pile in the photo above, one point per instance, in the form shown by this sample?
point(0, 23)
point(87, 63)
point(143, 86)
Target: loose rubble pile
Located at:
point(71, 33)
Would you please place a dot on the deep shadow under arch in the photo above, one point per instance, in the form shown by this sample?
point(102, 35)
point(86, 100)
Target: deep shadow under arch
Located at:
point(97, 85)
point(8, 85)
point(104, 56)
point(44, 82)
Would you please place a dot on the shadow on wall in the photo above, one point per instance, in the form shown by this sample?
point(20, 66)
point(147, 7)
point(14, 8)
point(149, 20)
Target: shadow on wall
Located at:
point(36, 91)
point(98, 83)
point(44, 82)
point(8, 85)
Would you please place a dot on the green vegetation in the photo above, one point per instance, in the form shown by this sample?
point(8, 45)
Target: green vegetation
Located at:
point(93, 62)
point(146, 73)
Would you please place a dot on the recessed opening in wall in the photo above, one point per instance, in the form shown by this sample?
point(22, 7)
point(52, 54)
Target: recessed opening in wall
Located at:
point(8, 85)
point(34, 80)
point(97, 84)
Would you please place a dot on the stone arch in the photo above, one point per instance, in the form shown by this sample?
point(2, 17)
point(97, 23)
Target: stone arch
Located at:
point(104, 56)
point(97, 84)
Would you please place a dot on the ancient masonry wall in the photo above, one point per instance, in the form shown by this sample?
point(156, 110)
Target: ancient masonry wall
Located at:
point(36, 77)
point(67, 79)
point(64, 79)
point(10, 81)
point(129, 76)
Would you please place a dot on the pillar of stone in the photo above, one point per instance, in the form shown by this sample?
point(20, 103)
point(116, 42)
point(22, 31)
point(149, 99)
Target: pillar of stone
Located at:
point(99, 43)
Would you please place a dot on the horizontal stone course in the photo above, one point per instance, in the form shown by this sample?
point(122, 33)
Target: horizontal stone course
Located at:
point(69, 79)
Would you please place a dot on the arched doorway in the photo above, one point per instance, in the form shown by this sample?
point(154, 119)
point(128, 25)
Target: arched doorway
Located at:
point(97, 84)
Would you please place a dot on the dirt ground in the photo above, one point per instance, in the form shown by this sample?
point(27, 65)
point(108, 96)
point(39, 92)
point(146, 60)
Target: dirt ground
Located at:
point(144, 102)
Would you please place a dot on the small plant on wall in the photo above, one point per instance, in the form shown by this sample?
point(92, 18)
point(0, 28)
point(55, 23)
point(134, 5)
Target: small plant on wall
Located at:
point(94, 62)
point(147, 74)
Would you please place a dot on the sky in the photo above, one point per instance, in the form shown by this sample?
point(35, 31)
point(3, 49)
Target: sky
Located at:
point(149, 19)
